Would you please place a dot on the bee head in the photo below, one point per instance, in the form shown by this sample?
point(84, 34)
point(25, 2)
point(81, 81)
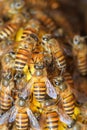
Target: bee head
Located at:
point(22, 100)
point(58, 82)
point(46, 38)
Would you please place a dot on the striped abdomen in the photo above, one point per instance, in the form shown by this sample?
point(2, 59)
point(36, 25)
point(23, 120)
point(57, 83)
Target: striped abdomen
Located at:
point(69, 104)
point(52, 120)
point(21, 59)
point(5, 101)
point(68, 78)
point(22, 121)
point(60, 60)
point(39, 91)
point(47, 21)
point(8, 31)
point(82, 64)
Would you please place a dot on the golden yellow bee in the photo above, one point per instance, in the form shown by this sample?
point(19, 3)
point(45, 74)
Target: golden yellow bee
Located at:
point(7, 84)
point(52, 114)
point(66, 95)
point(80, 54)
point(51, 45)
point(39, 85)
point(23, 54)
point(22, 115)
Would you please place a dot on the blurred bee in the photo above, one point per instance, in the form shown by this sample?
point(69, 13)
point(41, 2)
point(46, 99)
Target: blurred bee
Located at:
point(45, 20)
point(66, 95)
point(21, 114)
point(80, 56)
point(52, 114)
point(39, 84)
point(8, 31)
point(13, 7)
point(53, 4)
point(52, 46)
point(7, 84)
point(68, 78)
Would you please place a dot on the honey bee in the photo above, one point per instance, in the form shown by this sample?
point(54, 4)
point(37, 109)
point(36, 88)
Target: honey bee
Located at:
point(7, 84)
point(13, 7)
point(51, 115)
point(8, 31)
point(22, 55)
point(80, 56)
point(66, 95)
point(21, 114)
point(53, 4)
point(7, 61)
point(40, 85)
point(45, 20)
point(68, 78)
point(51, 45)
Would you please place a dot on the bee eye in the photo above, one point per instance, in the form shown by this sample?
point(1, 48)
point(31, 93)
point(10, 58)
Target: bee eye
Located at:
point(76, 40)
point(45, 39)
point(19, 4)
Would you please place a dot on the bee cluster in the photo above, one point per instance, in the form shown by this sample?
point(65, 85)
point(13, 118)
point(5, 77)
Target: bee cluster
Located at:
point(41, 59)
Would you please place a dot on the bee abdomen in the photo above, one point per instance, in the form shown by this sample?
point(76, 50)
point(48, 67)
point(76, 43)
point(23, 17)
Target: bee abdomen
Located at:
point(5, 102)
point(52, 120)
point(82, 65)
point(7, 31)
point(40, 92)
point(21, 59)
point(68, 78)
point(60, 59)
point(22, 121)
point(69, 104)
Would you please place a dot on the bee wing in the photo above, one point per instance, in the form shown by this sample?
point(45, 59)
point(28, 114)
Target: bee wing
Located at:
point(33, 121)
point(5, 117)
point(26, 91)
point(13, 114)
point(50, 89)
point(64, 117)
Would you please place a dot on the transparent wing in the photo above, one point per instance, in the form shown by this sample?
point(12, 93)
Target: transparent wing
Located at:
point(26, 90)
point(64, 117)
point(5, 117)
point(50, 89)
point(13, 114)
point(33, 121)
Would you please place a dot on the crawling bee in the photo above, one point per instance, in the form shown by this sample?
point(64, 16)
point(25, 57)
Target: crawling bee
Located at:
point(39, 84)
point(80, 54)
point(52, 46)
point(51, 116)
point(66, 95)
point(8, 31)
point(7, 84)
point(23, 54)
point(21, 114)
